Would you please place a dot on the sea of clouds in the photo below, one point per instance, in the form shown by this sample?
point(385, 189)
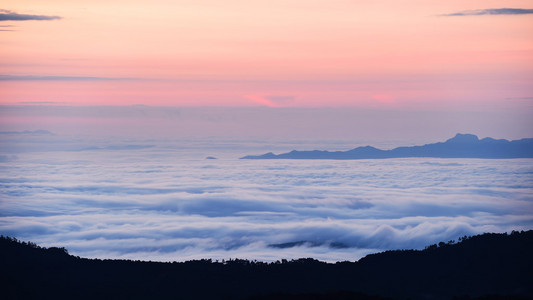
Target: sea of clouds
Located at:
point(155, 200)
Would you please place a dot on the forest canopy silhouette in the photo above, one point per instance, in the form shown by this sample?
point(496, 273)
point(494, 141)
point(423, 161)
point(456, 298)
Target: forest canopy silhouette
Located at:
point(492, 264)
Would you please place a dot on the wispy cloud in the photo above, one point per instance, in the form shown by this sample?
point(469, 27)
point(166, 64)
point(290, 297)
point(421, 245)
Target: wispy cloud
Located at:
point(6, 26)
point(42, 102)
point(34, 132)
point(61, 78)
point(491, 11)
point(519, 98)
point(9, 15)
point(272, 100)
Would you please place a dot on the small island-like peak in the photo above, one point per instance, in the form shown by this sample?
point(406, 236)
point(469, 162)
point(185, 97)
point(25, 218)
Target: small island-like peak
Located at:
point(463, 138)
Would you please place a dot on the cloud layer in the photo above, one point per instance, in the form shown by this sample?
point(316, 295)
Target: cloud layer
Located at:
point(8, 15)
point(166, 202)
point(492, 11)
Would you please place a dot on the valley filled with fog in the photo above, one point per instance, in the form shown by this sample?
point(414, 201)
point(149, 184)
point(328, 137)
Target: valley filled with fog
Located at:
point(163, 200)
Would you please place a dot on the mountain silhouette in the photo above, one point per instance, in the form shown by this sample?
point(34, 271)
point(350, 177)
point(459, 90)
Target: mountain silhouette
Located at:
point(460, 146)
point(488, 266)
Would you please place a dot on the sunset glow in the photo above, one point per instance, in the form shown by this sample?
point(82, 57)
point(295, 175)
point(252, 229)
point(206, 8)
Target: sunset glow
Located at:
point(240, 53)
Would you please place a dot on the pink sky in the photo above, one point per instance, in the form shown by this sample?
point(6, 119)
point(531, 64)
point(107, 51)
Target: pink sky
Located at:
point(279, 53)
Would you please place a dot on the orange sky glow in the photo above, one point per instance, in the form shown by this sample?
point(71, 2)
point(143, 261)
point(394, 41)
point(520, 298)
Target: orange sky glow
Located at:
point(293, 53)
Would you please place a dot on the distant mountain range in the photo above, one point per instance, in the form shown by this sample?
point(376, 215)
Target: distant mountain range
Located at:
point(460, 146)
point(488, 266)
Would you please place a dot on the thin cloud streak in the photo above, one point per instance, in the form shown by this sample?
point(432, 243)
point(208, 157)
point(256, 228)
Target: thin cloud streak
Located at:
point(491, 11)
point(7, 26)
point(8, 15)
point(62, 78)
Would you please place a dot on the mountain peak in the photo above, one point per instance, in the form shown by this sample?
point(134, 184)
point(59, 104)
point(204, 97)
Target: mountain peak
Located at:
point(463, 138)
point(460, 146)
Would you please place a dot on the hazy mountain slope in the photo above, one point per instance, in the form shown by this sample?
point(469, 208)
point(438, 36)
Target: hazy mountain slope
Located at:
point(460, 146)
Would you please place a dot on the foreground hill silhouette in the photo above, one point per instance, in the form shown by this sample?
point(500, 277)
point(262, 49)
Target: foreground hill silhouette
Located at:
point(488, 264)
point(460, 146)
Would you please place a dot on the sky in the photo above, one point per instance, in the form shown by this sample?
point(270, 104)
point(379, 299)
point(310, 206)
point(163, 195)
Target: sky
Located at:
point(313, 69)
point(313, 53)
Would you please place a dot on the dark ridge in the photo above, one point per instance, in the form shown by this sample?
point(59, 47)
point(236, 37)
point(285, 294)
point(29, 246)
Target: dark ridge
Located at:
point(460, 146)
point(342, 295)
point(488, 266)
